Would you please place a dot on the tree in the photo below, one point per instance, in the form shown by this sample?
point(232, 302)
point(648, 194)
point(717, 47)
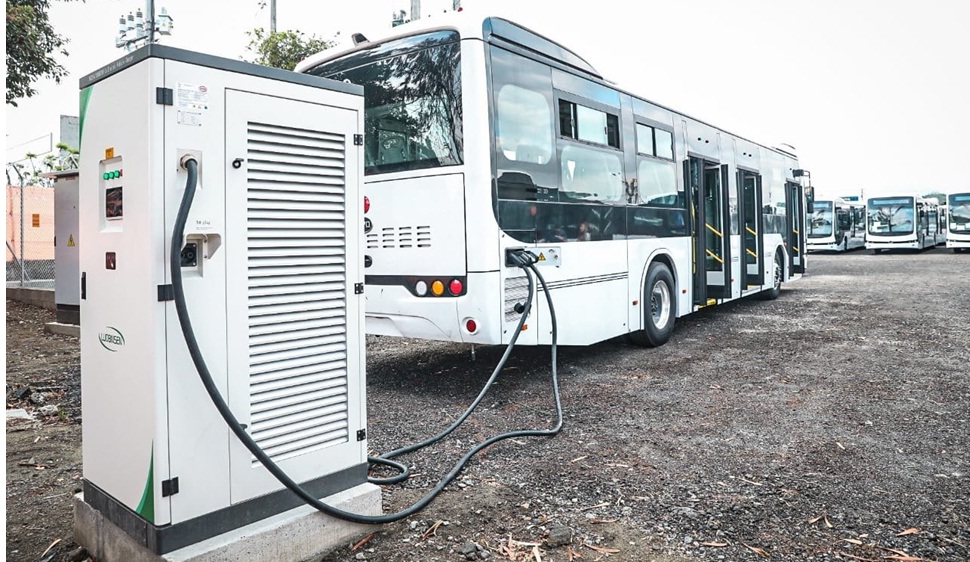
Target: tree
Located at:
point(66, 159)
point(938, 195)
point(284, 49)
point(31, 46)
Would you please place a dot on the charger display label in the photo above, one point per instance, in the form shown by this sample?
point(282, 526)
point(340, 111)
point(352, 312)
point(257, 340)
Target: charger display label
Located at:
point(191, 102)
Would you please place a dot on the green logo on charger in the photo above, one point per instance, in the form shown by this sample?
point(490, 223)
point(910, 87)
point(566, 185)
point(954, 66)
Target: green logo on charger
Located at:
point(110, 341)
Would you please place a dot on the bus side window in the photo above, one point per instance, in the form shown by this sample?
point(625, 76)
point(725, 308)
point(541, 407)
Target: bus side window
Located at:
point(524, 128)
point(591, 175)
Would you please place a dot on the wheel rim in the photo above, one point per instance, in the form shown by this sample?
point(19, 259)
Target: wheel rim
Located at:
point(660, 307)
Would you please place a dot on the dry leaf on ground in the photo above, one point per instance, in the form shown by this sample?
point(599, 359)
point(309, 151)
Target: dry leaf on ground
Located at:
point(758, 551)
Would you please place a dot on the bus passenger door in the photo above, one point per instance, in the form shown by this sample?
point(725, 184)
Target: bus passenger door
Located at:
point(795, 209)
point(752, 274)
point(710, 224)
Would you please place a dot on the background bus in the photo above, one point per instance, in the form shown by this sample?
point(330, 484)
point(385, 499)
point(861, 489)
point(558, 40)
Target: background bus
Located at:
point(958, 231)
point(903, 222)
point(836, 225)
point(482, 136)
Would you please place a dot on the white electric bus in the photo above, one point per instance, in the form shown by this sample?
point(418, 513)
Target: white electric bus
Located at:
point(836, 225)
point(958, 222)
point(903, 222)
point(481, 136)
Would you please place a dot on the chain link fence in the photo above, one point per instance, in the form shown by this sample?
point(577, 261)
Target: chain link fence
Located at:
point(30, 236)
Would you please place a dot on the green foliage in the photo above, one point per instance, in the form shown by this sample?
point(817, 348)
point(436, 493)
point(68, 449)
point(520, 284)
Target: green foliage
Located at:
point(31, 172)
point(284, 49)
point(31, 46)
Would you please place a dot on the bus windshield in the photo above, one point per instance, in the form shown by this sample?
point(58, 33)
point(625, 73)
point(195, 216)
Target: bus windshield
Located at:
point(821, 224)
point(891, 216)
point(960, 212)
point(412, 101)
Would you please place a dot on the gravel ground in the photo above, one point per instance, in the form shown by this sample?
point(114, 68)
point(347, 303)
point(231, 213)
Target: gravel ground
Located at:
point(830, 424)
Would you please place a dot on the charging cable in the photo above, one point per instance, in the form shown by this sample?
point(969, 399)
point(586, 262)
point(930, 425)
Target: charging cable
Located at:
point(522, 258)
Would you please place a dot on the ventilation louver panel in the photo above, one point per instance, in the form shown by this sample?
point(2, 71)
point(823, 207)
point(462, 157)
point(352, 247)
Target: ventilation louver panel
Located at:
point(297, 294)
point(516, 292)
point(400, 237)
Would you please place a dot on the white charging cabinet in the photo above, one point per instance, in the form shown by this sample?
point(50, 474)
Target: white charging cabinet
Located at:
point(273, 287)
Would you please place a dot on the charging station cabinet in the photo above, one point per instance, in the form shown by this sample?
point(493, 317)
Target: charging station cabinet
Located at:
point(272, 267)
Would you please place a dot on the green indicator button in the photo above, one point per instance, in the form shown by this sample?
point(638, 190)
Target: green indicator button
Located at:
point(106, 175)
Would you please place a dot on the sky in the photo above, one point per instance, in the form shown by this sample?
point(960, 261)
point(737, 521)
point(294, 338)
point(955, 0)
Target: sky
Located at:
point(871, 93)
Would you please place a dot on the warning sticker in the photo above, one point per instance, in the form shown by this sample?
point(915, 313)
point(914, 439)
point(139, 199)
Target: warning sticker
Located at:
point(70, 241)
point(548, 256)
point(191, 102)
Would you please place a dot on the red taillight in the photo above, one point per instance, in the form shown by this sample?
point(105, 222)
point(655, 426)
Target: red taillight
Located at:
point(471, 326)
point(455, 287)
point(366, 204)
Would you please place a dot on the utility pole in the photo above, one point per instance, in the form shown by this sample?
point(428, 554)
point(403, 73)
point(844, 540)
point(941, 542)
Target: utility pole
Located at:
point(272, 17)
point(415, 10)
point(136, 29)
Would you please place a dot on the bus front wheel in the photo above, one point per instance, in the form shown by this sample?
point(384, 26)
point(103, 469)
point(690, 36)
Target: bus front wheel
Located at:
point(659, 308)
point(777, 273)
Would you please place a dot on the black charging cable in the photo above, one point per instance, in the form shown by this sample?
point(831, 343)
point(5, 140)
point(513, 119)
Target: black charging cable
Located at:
point(522, 258)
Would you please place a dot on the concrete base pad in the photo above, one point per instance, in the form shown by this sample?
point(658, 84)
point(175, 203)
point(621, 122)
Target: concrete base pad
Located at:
point(296, 535)
point(63, 329)
point(43, 298)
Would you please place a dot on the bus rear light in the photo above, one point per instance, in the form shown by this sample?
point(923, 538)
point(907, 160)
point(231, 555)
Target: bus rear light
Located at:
point(421, 288)
point(471, 326)
point(437, 288)
point(455, 287)
point(366, 203)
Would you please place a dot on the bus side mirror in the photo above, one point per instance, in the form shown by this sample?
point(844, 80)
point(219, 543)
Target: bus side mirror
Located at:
point(809, 199)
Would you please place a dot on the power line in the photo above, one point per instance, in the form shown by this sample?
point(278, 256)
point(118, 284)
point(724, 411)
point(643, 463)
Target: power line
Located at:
point(48, 136)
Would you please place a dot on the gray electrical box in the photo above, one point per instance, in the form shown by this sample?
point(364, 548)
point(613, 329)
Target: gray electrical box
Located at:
point(67, 283)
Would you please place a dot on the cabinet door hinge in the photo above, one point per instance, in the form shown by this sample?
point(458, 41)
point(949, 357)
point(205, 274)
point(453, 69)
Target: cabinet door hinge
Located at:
point(170, 487)
point(358, 288)
point(361, 434)
point(358, 140)
point(164, 96)
point(166, 293)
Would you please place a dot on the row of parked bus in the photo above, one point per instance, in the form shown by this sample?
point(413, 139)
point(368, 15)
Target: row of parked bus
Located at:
point(887, 223)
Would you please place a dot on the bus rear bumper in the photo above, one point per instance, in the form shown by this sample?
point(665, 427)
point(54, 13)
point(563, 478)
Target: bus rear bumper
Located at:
point(404, 326)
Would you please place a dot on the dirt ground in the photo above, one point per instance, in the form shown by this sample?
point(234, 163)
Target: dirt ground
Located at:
point(830, 424)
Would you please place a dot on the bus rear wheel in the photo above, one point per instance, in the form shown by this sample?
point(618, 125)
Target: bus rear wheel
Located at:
point(659, 308)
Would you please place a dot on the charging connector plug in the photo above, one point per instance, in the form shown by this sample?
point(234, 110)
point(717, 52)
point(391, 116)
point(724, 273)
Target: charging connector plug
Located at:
point(519, 257)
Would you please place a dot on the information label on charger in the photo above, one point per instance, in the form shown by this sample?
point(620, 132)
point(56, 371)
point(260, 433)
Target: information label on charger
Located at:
point(191, 102)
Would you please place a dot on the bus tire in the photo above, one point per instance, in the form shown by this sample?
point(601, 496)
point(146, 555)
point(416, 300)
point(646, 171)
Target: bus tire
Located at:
point(877, 251)
point(659, 308)
point(777, 273)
